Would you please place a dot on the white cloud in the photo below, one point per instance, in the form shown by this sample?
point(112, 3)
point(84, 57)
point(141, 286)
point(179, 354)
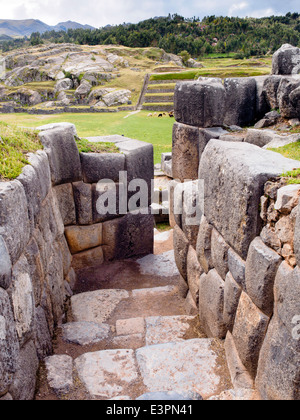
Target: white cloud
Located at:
point(102, 12)
point(237, 8)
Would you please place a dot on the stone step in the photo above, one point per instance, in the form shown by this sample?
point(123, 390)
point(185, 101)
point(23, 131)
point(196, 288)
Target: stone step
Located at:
point(107, 306)
point(191, 368)
point(131, 332)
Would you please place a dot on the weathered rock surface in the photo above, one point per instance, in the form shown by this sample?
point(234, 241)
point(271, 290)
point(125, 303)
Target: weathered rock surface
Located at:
point(286, 60)
point(14, 221)
point(9, 344)
point(85, 333)
point(172, 366)
point(261, 268)
point(201, 103)
point(185, 154)
point(60, 373)
point(96, 306)
point(97, 167)
point(279, 361)
point(249, 333)
point(242, 164)
point(240, 101)
point(211, 304)
point(63, 155)
point(107, 373)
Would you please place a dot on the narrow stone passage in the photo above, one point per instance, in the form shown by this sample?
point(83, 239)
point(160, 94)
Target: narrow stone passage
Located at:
point(127, 333)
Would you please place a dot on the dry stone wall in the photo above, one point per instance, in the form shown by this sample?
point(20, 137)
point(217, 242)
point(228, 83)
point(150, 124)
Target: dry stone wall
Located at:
point(49, 228)
point(241, 261)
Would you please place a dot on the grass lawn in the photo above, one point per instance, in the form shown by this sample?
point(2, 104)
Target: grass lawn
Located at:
point(157, 131)
point(291, 151)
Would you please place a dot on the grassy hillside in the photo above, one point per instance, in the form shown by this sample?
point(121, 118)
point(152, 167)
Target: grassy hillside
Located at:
point(244, 37)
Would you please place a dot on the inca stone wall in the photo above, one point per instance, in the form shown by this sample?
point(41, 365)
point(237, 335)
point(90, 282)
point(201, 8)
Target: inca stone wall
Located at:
point(241, 261)
point(49, 228)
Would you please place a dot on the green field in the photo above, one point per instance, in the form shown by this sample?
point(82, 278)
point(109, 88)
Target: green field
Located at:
point(157, 131)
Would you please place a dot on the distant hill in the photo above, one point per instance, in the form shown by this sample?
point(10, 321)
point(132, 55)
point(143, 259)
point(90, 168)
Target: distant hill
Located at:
point(21, 28)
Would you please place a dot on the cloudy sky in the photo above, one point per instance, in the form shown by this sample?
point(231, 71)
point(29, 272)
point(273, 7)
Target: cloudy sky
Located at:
point(102, 12)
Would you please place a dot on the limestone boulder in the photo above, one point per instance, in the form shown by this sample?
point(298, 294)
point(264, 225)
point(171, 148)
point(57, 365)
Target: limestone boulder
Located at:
point(64, 84)
point(83, 90)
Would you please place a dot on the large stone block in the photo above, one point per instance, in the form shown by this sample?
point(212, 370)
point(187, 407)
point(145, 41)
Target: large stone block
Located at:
point(219, 253)
point(176, 203)
point(211, 304)
point(237, 268)
point(270, 91)
point(128, 236)
point(200, 103)
point(65, 199)
point(194, 272)
point(240, 101)
point(232, 294)
point(24, 384)
point(262, 105)
point(36, 269)
point(98, 166)
point(5, 265)
point(39, 162)
point(14, 220)
point(203, 247)
point(279, 362)
point(261, 268)
point(288, 97)
point(108, 201)
point(22, 299)
point(81, 238)
point(63, 155)
point(238, 186)
point(239, 376)
point(181, 248)
point(249, 332)
point(139, 162)
point(31, 184)
point(185, 154)
point(83, 203)
point(9, 344)
point(192, 209)
point(286, 60)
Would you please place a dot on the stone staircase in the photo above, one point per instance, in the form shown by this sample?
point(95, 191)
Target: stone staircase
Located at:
point(128, 335)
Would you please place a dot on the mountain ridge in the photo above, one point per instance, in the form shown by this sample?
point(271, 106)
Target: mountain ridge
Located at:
point(21, 28)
